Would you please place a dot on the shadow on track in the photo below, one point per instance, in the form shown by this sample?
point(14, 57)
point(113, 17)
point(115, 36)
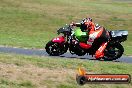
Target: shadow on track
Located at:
point(86, 57)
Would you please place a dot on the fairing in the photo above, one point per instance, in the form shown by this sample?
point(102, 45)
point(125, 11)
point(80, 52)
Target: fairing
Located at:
point(59, 39)
point(81, 36)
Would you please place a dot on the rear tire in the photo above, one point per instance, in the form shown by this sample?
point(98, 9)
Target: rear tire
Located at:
point(113, 52)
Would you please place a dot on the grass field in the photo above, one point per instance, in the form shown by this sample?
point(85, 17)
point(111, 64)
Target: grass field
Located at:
point(32, 23)
point(46, 72)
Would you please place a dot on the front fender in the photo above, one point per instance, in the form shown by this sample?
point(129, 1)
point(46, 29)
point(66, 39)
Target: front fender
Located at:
point(59, 39)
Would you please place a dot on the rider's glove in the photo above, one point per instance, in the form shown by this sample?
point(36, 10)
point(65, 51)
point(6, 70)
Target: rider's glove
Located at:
point(73, 24)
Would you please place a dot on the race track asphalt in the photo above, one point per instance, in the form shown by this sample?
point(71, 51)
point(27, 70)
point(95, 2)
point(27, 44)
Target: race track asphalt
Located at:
point(38, 52)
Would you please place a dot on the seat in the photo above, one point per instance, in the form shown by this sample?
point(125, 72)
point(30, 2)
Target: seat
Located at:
point(119, 33)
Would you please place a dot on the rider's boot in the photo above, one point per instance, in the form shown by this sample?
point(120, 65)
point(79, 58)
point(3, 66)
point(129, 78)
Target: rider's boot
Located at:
point(100, 52)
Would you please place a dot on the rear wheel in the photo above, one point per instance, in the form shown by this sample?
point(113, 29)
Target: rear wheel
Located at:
point(113, 52)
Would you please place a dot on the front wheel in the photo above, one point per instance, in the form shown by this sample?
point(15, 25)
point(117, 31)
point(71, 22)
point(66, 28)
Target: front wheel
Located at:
point(53, 49)
point(113, 52)
point(56, 49)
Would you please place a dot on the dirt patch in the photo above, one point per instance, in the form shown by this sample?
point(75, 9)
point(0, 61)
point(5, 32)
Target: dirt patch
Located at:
point(41, 77)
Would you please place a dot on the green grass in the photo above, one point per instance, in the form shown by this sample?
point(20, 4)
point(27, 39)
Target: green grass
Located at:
point(19, 71)
point(5, 83)
point(32, 23)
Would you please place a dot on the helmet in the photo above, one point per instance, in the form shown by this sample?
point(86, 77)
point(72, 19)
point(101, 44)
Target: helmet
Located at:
point(88, 19)
point(86, 23)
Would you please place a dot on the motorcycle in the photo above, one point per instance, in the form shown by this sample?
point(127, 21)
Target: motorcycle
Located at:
point(71, 38)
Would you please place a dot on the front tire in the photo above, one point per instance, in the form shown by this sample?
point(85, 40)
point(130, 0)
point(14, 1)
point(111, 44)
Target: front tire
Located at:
point(113, 52)
point(53, 49)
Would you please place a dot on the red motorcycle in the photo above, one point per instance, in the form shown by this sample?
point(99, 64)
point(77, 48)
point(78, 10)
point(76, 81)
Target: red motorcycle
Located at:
point(71, 39)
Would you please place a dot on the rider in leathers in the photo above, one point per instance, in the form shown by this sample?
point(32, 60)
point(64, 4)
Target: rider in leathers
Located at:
point(88, 25)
